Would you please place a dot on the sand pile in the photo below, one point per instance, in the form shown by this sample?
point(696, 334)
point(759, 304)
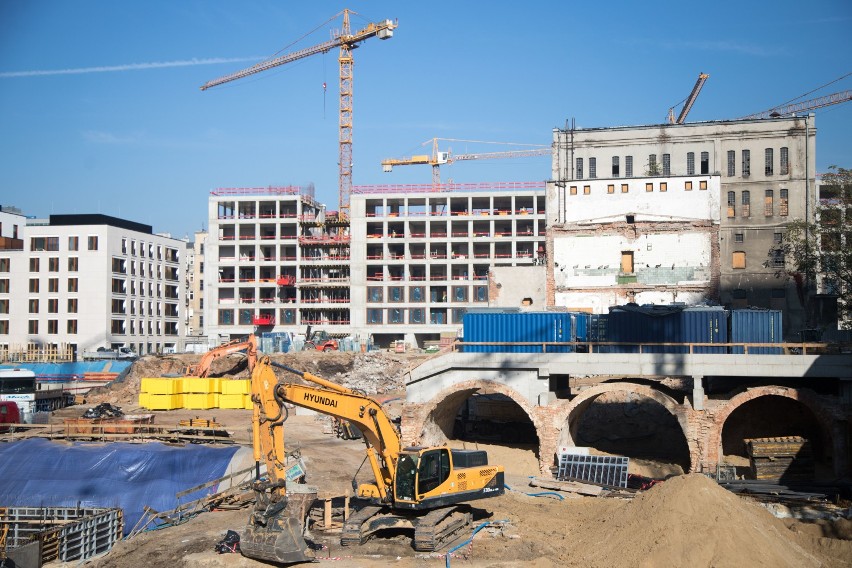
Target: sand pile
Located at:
point(690, 521)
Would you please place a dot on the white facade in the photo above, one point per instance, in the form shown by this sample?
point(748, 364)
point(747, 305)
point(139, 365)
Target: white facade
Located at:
point(93, 281)
point(766, 170)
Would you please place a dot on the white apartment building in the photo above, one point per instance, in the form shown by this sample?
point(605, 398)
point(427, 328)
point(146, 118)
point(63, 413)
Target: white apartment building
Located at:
point(766, 169)
point(194, 270)
point(91, 281)
point(405, 266)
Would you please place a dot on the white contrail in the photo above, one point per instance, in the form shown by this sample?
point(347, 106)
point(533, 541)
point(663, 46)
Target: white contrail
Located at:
point(128, 67)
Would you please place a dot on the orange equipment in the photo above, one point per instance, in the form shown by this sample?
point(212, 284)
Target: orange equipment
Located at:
point(202, 368)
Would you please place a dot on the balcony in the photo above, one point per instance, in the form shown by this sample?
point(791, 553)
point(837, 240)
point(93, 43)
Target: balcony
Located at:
point(263, 319)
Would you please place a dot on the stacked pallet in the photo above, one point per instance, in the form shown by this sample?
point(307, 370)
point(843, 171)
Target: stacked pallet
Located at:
point(787, 458)
point(194, 393)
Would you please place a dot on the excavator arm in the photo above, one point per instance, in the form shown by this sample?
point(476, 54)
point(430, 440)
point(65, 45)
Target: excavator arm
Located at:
point(380, 434)
point(202, 369)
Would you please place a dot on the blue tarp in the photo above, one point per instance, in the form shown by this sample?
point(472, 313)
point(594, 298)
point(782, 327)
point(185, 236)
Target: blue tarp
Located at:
point(41, 473)
point(52, 370)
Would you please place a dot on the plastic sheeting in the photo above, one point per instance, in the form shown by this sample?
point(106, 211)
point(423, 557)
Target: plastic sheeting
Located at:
point(41, 473)
point(71, 370)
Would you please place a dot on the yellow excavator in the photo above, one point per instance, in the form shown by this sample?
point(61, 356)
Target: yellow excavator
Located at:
point(419, 488)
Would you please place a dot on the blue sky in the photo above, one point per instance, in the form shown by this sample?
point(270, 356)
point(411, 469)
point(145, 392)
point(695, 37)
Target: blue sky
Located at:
point(101, 111)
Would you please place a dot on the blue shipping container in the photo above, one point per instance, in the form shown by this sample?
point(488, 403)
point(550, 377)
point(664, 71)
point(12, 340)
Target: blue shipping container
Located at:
point(756, 326)
point(539, 327)
point(633, 325)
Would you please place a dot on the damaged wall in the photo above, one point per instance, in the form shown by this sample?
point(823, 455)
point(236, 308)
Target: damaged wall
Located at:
point(517, 286)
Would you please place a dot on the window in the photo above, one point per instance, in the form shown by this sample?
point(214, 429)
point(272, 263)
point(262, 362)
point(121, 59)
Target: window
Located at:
point(4, 306)
point(53, 285)
point(118, 306)
point(4, 285)
point(73, 264)
point(778, 238)
point(4, 327)
point(777, 259)
point(739, 294)
point(417, 315)
point(690, 163)
point(784, 166)
point(593, 168)
point(746, 163)
point(628, 166)
point(4, 264)
point(395, 294)
point(72, 284)
point(739, 259)
point(374, 293)
point(73, 243)
point(732, 203)
point(687, 186)
point(374, 315)
point(739, 237)
point(783, 205)
point(732, 158)
point(610, 188)
point(573, 190)
point(705, 163)
point(53, 264)
point(34, 265)
point(664, 186)
point(34, 285)
point(226, 317)
point(702, 184)
point(72, 327)
point(769, 204)
point(587, 190)
point(624, 188)
point(579, 168)
point(746, 203)
point(395, 315)
point(33, 307)
point(652, 165)
point(72, 305)
point(615, 166)
point(93, 242)
point(52, 327)
point(32, 327)
point(649, 187)
point(117, 327)
point(769, 161)
point(667, 164)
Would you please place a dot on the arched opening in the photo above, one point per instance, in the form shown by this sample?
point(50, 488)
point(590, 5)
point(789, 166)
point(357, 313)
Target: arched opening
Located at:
point(483, 417)
point(631, 424)
point(773, 416)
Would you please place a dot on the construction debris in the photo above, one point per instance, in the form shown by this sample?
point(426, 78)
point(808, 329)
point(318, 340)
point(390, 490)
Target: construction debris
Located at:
point(787, 458)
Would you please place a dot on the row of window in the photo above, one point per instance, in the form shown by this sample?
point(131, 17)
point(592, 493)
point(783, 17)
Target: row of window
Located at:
point(776, 259)
point(119, 266)
point(768, 203)
point(52, 243)
point(649, 187)
point(129, 245)
point(768, 160)
point(73, 285)
point(433, 294)
point(663, 167)
point(33, 327)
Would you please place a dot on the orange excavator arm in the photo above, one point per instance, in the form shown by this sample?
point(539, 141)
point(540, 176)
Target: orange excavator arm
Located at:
point(202, 368)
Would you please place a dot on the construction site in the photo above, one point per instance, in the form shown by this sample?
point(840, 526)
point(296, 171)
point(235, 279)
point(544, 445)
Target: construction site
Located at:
point(578, 371)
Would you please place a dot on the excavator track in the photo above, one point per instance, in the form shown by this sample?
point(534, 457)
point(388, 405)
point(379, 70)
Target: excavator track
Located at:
point(431, 530)
point(436, 528)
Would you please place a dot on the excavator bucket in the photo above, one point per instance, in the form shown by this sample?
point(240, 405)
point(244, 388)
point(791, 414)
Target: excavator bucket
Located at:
point(278, 537)
point(281, 541)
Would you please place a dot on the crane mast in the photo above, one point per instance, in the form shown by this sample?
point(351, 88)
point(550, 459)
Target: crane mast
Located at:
point(346, 41)
point(689, 101)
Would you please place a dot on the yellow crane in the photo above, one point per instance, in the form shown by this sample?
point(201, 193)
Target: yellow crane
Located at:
point(688, 101)
point(439, 158)
point(346, 41)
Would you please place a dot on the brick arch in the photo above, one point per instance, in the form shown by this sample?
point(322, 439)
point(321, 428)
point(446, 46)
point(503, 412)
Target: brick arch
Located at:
point(435, 418)
point(823, 412)
point(562, 418)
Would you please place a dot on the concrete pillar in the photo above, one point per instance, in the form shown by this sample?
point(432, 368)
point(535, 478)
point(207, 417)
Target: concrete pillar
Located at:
point(840, 450)
point(698, 392)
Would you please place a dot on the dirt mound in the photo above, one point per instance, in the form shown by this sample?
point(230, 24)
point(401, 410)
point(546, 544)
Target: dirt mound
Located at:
point(690, 521)
point(375, 372)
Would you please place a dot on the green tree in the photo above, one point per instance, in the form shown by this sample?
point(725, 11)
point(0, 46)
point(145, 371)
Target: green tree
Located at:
point(823, 250)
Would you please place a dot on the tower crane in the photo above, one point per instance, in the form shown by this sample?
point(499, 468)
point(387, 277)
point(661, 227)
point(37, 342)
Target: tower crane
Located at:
point(438, 158)
point(688, 101)
point(346, 41)
point(786, 110)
